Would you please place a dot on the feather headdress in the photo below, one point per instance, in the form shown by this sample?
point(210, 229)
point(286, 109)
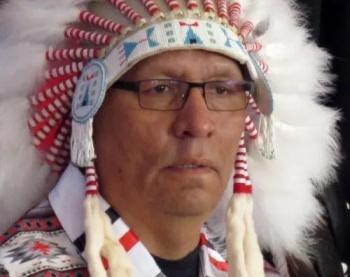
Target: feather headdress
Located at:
point(44, 50)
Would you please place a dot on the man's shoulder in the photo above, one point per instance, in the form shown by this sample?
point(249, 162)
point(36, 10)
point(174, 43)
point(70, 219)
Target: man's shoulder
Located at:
point(37, 245)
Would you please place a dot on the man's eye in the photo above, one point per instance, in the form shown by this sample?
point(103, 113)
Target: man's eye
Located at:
point(222, 90)
point(159, 89)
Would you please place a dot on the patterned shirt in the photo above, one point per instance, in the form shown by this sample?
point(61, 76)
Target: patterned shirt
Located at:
point(50, 239)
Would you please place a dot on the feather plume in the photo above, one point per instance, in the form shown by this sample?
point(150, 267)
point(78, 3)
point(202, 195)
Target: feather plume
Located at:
point(285, 207)
point(20, 78)
point(29, 174)
point(22, 20)
point(306, 138)
point(24, 36)
point(254, 11)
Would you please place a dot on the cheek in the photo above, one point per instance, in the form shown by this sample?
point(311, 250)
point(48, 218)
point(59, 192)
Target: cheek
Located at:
point(229, 136)
point(136, 142)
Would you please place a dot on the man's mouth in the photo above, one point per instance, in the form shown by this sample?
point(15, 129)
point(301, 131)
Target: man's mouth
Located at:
point(192, 166)
point(189, 166)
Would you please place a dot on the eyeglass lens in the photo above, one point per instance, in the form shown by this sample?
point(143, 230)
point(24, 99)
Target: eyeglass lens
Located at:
point(227, 95)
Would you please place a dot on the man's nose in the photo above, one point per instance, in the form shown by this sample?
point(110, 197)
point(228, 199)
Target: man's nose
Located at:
point(194, 119)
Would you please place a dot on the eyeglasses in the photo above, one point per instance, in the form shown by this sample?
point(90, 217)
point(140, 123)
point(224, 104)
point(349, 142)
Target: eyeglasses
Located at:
point(171, 95)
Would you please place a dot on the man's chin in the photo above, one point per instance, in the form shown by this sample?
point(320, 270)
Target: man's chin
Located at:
point(190, 213)
point(189, 199)
point(193, 207)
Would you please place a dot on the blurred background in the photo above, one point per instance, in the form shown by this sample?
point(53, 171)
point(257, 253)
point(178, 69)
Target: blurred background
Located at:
point(329, 21)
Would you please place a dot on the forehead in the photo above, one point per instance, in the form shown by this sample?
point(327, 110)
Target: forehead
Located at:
point(197, 64)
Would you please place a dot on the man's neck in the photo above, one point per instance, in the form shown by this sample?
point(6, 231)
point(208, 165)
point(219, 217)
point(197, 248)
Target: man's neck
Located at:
point(166, 236)
point(172, 240)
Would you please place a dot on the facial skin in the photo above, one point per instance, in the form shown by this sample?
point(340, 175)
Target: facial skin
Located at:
point(138, 152)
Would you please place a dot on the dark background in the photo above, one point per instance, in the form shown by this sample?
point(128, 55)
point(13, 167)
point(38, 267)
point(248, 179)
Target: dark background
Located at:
point(329, 21)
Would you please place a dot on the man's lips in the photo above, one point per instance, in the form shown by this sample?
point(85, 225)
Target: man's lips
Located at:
point(191, 165)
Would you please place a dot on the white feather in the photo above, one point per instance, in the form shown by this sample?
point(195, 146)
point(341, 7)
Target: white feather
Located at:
point(22, 20)
point(19, 78)
point(23, 175)
point(286, 209)
point(284, 196)
point(254, 11)
point(24, 35)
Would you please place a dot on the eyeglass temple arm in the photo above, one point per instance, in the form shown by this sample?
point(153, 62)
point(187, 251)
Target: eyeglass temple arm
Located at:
point(132, 86)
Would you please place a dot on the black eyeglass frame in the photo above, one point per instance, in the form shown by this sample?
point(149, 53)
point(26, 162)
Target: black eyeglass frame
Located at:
point(134, 86)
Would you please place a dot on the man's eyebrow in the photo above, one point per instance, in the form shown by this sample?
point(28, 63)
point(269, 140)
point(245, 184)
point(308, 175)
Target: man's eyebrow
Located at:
point(225, 70)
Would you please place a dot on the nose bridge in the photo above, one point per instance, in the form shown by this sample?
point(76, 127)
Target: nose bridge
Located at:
point(196, 97)
point(194, 119)
point(195, 85)
point(190, 91)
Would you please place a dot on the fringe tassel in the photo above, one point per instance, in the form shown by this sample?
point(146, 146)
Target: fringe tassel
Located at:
point(253, 255)
point(119, 264)
point(82, 146)
point(266, 137)
point(235, 236)
point(100, 242)
point(243, 252)
point(94, 231)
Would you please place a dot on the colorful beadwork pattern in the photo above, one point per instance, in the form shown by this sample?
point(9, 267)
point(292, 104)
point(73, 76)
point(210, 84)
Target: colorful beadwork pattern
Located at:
point(179, 34)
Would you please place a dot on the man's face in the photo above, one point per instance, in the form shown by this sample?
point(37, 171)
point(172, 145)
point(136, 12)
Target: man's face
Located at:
point(176, 163)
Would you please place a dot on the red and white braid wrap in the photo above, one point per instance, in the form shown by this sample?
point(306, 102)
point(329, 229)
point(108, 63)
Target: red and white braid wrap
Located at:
point(104, 254)
point(243, 252)
point(250, 128)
